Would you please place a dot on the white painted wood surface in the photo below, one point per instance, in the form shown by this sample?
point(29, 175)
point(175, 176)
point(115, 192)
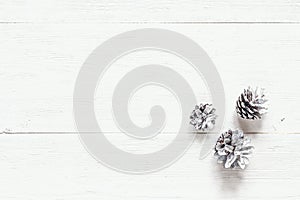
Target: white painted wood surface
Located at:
point(57, 167)
point(43, 45)
point(106, 11)
point(40, 63)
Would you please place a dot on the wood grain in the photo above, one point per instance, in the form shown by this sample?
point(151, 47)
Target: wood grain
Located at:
point(43, 45)
point(150, 11)
point(57, 167)
point(40, 63)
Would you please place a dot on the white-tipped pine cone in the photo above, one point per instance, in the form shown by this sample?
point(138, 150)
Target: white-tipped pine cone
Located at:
point(252, 104)
point(203, 117)
point(233, 149)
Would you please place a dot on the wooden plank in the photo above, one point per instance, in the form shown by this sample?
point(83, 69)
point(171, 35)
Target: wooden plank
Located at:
point(148, 11)
point(46, 166)
point(40, 63)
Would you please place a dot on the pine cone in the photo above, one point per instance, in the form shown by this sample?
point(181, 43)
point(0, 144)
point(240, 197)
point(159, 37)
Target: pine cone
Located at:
point(252, 104)
point(232, 149)
point(203, 117)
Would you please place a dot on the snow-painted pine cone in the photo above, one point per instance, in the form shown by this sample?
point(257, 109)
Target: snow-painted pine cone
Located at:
point(233, 149)
point(252, 104)
point(203, 117)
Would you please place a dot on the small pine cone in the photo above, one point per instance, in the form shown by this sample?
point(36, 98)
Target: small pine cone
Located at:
point(233, 150)
point(252, 104)
point(203, 117)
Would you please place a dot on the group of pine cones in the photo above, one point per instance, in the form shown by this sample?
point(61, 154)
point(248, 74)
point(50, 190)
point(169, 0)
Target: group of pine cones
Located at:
point(232, 148)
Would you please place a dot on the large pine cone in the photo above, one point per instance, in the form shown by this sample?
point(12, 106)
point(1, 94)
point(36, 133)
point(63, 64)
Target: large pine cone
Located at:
point(233, 150)
point(252, 104)
point(203, 117)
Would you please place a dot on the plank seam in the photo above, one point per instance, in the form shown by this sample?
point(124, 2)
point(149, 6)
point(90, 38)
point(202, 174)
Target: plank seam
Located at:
point(157, 22)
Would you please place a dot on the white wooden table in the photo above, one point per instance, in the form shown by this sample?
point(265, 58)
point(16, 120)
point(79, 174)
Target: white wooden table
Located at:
point(43, 45)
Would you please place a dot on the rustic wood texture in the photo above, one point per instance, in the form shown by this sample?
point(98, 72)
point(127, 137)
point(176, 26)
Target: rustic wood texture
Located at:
point(40, 63)
point(43, 45)
point(149, 11)
point(57, 167)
